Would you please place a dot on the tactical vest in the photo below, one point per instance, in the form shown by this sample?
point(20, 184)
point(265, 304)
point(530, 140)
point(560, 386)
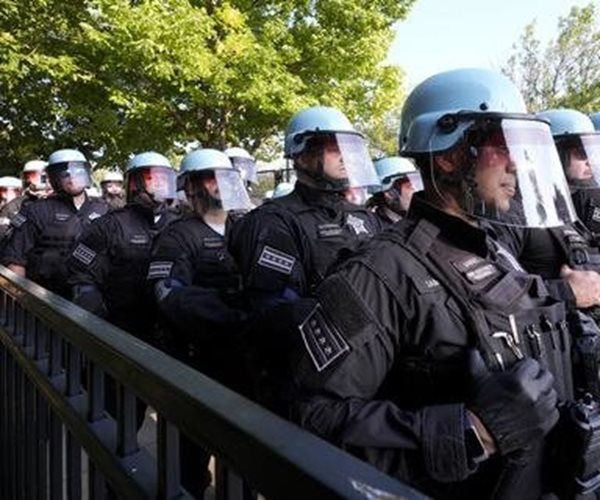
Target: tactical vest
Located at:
point(214, 267)
point(46, 261)
point(325, 239)
point(509, 313)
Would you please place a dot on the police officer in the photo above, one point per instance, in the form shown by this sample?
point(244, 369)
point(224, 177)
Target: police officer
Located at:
point(245, 164)
point(430, 353)
point(10, 188)
point(399, 181)
point(197, 284)
point(46, 230)
point(108, 266)
point(285, 246)
point(112, 189)
point(578, 146)
point(34, 185)
point(567, 257)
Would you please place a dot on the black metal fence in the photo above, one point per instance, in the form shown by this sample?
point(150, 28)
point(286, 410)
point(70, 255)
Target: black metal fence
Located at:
point(58, 441)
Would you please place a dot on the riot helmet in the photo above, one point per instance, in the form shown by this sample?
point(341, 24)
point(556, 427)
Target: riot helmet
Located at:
point(595, 117)
point(244, 163)
point(112, 183)
point(150, 179)
point(211, 182)
point(399, 179)
point(479, 150)
point(578, 146)
point(34, 176)
point(282, 189)
point(10, 188)
point(327, 151)
point(69, 172)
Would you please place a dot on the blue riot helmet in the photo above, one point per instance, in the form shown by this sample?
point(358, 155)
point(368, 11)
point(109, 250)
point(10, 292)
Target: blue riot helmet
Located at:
point(327, 151)
point(595, 117)
point(150, 179)
point(244, 163)
point(578, 146)
point(391, 168)
point(68, 172)
point(282, 189)
point(478, 149)
point(399, 179)
point(210, 181)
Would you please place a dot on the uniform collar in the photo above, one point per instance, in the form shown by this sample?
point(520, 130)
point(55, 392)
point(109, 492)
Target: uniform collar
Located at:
point(459, 233)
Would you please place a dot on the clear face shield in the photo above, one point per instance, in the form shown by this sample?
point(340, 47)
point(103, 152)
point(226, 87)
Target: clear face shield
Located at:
point(225, 186)
point(580, 156)
point(343, 160)
point(72, 177)
point(159, 182)
point(508, 172)
point(247, 169)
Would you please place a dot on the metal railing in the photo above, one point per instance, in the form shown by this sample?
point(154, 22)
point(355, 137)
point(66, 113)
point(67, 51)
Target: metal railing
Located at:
point(58, 441)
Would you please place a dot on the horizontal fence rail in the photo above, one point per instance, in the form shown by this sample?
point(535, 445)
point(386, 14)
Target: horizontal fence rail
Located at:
point(59, 440)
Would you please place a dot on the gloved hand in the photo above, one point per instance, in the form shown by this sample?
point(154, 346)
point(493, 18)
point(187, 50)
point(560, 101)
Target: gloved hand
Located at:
point(517, 406)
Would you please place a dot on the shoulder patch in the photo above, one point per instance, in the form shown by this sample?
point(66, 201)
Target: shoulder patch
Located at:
point(18, 220)
point(277, 260)
point(426, 284)
point(213, 242)
point(84, 254)
point(323, 341)
point(159, 269)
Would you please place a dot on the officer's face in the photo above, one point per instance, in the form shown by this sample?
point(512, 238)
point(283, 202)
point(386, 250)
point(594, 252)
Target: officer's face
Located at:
point(112, 187)
point(495, 174)
point(325, 151)
point(156, 180)
point(211, 186)
point(7, 194)
point(579, 168)
point(333, 163)
point(404, 189)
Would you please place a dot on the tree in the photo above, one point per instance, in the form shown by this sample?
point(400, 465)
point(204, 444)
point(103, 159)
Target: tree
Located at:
point(566, 73)
point(114, 77)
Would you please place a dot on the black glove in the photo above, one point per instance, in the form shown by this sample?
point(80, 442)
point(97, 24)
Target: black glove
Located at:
point(517, 406)
point(89, 298)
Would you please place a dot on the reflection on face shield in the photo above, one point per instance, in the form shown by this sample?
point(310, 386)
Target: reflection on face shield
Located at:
point(580, 156)
point(339, 161)
point(216, 189)
point(74, 178)
point(511, 174)
point(159, 182)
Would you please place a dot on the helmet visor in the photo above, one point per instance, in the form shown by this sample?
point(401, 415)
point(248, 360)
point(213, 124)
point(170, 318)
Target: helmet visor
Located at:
point(511, 174)
point(247, 169)
point(72, 177)
point(159, 182)
point(231, 190)
point(581, 160)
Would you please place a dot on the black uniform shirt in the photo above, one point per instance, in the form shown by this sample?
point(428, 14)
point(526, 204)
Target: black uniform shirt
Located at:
point(45, 232)
point(285, 246)
point(113, 254)
point(379, 361)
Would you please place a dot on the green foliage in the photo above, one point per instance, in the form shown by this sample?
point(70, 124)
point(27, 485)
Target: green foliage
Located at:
point(114, 77)
point(565, 73)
